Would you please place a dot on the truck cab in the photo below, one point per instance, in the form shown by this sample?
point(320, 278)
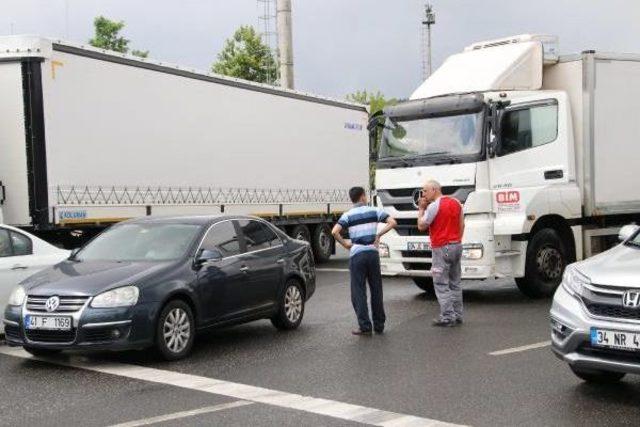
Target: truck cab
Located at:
point(502, 144)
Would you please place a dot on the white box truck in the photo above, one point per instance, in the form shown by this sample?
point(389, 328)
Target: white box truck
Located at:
point(541, 149)
point(89, 137)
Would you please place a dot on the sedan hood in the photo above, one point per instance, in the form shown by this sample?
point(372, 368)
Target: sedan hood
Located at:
point(619, 266)
point(89, 278)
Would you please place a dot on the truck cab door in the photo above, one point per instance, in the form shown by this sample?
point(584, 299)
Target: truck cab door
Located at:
point(532, 155)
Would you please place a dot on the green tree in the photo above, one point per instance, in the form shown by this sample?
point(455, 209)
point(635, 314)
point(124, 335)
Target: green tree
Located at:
point(376, 101)
point(245, 56)
point(107, 36)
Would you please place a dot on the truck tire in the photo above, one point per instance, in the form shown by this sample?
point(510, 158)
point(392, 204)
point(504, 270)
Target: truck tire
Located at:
point(545, 263)
point(426, 284)
point(301, 232)
point(597, 376)
point(322, 243)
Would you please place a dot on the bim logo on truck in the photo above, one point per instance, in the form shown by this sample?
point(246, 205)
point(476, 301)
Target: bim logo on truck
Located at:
point(508, 197)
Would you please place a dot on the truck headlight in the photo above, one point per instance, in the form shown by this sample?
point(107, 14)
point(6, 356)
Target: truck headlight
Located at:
point(573, 281)
point(472, 251)
point(120, 297)
point(383, 250)
point(17, 297)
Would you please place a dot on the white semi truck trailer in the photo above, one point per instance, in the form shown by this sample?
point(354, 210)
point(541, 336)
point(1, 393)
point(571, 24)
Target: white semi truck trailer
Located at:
point(541, 149)
point(90, 137)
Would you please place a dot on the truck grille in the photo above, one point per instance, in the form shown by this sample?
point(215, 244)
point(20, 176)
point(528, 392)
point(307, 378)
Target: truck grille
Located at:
point(409, 227)
point(402, 199)
point(416, 254)
point(51, 336)
point(68, 304)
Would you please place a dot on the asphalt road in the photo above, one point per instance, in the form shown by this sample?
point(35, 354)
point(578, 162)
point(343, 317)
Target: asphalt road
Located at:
point(413, 369)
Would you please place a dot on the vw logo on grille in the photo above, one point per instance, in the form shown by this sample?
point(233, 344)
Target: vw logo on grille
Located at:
point(631, 299)
point(52, 304)
point(417, 195)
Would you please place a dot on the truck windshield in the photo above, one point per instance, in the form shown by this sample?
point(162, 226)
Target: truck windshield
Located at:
point(448, 136)
point(140, 242)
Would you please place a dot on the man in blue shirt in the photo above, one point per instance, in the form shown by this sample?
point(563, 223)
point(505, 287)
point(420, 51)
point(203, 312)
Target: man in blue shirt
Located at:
point(364, 262)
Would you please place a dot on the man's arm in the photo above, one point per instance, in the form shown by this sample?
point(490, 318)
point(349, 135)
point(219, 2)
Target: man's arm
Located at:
point(337, 234)
point(426, 214)
point(390, 224)
point(461, 222)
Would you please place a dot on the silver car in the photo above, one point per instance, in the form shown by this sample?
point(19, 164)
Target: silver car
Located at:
point(595, 317)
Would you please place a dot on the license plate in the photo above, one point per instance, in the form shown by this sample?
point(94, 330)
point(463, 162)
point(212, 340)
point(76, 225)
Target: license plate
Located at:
point(418, 246)
point(615, 339)
point(53, 323)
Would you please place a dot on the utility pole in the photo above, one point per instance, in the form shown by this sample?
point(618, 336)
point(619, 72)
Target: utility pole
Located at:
point(285, 48)
point(428, 20)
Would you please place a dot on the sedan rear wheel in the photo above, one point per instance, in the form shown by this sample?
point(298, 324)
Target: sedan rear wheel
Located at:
point(175, 331)
point(291, 308)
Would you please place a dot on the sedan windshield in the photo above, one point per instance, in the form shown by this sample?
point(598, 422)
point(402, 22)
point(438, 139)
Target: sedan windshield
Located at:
point(140, 242)
point(446, 136)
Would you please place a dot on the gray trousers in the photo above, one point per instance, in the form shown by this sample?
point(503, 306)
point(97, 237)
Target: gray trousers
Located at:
point(446, 270)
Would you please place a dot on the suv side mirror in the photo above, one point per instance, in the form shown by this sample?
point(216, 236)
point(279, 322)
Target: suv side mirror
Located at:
point(73, 253)
point(627, 232)
point(205, 255)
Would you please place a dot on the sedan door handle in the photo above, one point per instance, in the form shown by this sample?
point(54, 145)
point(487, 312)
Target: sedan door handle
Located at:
point(19, 267)
point(280, 261)
point(244, 269)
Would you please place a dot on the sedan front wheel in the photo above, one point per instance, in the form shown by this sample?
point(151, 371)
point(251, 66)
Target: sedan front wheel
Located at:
point(175, 330)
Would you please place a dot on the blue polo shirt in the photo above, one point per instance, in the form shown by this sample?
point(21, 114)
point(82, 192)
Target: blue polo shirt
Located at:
point(362, 223)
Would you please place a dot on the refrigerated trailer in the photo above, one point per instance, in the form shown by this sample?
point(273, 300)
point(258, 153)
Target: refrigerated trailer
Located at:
point(90, 137)
point(541, 149)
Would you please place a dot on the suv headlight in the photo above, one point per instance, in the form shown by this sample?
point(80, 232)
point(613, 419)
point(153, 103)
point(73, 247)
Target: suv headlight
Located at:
point(17, 296)
point(120, 297)
point(383, 250)
point(472, 251)
point(573, 281)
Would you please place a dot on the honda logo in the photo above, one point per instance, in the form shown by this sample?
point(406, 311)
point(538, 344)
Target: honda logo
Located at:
point(52, 304)
point(631, 299)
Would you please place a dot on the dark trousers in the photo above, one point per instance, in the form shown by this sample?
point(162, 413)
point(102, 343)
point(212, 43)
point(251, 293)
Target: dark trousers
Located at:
point(365, 267)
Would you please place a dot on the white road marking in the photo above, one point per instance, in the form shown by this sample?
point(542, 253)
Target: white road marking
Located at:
point(334, 270)
point(330, 408)
point(184, 414)
point(522, 348)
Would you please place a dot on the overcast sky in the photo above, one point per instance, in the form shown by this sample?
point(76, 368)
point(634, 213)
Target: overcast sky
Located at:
point(339, 45)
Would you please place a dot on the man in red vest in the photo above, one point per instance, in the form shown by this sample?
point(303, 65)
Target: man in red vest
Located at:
point(442, 216)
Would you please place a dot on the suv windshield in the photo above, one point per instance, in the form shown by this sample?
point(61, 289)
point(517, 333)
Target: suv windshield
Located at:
point(140, 242)
point(439, 136)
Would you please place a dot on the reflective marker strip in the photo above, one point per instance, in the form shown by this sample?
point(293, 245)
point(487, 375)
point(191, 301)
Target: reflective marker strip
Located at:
point(330, 408)
point(183, 414)
point(519, 349)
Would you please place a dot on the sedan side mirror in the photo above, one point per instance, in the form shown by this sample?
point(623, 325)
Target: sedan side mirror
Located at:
point(627, 232)
point(205, 255)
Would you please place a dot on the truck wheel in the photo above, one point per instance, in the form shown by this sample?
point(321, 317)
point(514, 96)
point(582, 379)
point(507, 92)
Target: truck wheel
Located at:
point(322, 243)
point(301, 232)
point(597, 376)
point(426, 284)
point(545, 263)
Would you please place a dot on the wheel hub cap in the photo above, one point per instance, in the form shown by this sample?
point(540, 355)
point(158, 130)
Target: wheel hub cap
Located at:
point(550, 264)
point(176, 330)
point(293, 303)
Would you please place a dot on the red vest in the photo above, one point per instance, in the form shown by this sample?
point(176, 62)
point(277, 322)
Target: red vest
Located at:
point(445, 228)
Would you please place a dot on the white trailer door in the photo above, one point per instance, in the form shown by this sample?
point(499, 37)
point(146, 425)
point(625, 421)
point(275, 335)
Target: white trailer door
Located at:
point(13, 155)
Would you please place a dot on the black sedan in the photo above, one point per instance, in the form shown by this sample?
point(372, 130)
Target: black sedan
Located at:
point(157, 281)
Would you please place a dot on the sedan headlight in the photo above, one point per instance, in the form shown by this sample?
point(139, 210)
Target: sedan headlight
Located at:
point(120, 297)
point(472, 251)
point(383, 250)
point(573, 281)
point(17, 296)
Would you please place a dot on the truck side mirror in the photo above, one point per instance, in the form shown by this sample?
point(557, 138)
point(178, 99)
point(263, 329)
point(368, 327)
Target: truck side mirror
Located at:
point(372, 127)
point(495, 121)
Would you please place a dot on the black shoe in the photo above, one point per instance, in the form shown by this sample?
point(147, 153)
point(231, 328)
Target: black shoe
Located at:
point(361, 332)
point(443, 323)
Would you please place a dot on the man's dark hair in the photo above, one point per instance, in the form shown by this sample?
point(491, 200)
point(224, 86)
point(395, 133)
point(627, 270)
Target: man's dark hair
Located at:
point(356, 193)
